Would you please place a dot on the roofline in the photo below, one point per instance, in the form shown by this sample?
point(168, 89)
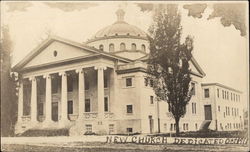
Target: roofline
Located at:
point(116, 36)
point(51, 39)
point(133, 51)
point(220, 85)
point(197, 66)
point(195, 63)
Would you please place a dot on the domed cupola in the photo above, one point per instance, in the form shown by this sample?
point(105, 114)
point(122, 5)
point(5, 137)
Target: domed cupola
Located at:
point(120, 36)
point(119, 28)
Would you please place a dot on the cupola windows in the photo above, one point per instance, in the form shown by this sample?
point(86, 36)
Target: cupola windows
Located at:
point(122, 46)
point(143, 48)
point(133, 46)
point(101, 47)
point(111, 47)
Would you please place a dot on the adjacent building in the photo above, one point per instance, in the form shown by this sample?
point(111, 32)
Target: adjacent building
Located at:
point(223, 106)
point(99, 86)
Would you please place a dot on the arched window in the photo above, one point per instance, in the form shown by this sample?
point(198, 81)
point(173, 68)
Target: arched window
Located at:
point(143, 48)
point(122, 46)
point(101, 47)
point(133, 46)
point(111, 47)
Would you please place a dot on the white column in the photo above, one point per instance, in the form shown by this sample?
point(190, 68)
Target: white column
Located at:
point(20, 102)
point(114, 107)
point(48, 102)
point(33, 103)
point(81, 93)
point(100, 90)
point(64, 98)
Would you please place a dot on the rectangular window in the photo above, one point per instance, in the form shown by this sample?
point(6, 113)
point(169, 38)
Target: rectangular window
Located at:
point(228, 111)
point(231, 96)
point(70, 107)
point(196, 126)
point(206, 93)
point(192, 88)
point(227, 95)
point(171, 127)
point(194, 108)
point(129, 108)
point(88, 127)
point(106, 104)
point(129, 130)
point(105, 81)
point(70, 83)
point(55, 83)
point(129, 82)
point(187, 126)
point(86, 83)
point(223, 94)
point(218, 108)
point(151, 99)
point(40, 108)
point(87, 105)
point(184, 126)
point(41, 86)
point(218, 93)
point(111, 128)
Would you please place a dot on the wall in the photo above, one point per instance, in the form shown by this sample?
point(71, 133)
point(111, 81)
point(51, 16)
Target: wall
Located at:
point(117, 41)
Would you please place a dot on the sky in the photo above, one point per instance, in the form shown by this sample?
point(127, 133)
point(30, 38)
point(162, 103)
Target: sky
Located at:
point(221, 51)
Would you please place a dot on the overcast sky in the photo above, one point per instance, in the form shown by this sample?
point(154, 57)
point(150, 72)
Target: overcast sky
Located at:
point(219, 50)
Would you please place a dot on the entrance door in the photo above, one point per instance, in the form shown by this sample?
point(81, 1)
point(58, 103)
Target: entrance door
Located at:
point(151, 124)
point(208, 112)
point(55, 111)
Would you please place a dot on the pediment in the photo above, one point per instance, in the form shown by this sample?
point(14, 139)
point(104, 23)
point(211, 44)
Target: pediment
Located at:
point(56, 52)
point(194, 66)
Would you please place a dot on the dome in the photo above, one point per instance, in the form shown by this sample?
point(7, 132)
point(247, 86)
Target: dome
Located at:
point(120, 28)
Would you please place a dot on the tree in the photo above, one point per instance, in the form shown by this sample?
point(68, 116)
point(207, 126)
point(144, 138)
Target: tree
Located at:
point(168, 63)
point(8, 86)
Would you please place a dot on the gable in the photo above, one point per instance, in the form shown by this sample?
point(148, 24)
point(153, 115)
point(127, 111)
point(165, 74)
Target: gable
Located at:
point(194, 66)
point(55, 52)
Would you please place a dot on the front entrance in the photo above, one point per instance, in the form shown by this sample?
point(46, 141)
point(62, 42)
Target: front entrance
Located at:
point(151, 124)
point(208, 112)
point(55, 111)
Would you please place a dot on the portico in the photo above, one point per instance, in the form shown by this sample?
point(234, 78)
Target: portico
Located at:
point(60, 96)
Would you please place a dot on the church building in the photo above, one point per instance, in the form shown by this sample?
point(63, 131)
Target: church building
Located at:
point(99, 87)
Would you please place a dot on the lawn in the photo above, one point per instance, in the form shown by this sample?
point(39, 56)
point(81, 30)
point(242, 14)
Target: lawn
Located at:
point(103, 147)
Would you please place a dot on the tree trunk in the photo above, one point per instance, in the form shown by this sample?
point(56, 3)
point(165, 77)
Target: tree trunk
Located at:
point(177, 133)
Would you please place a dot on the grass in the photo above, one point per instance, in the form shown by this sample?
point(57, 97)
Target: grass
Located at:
point(103, 147)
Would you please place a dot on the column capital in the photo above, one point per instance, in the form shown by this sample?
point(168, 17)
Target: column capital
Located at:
point(47, 76)
point(62, 73)
point(32, 78)
point(79, 70)
point(100, 67)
